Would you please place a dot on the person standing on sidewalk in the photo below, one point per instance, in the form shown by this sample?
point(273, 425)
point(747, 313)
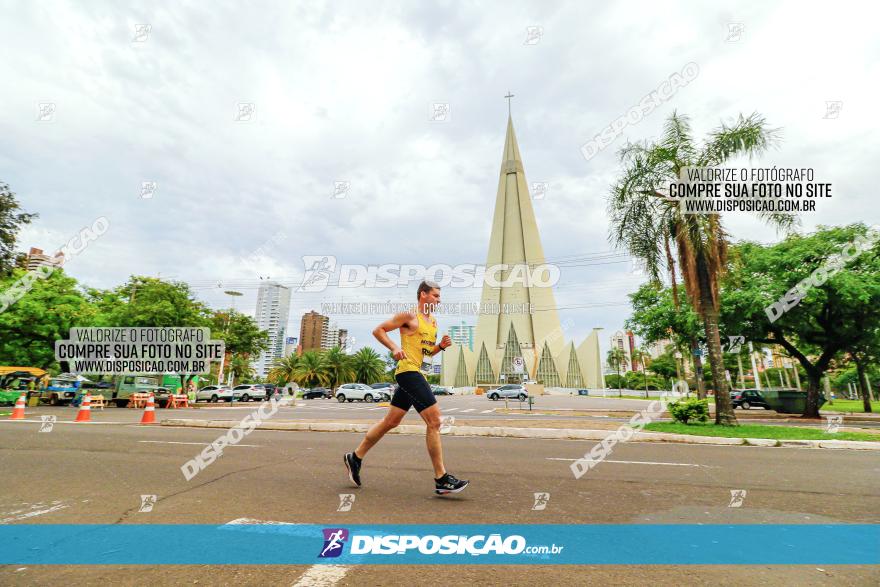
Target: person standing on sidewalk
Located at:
point(418, 335)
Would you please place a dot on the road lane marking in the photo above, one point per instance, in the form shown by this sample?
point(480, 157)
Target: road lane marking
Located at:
point(54, 508)
point(469, 410)
point(316, 575)
point(642, 463)
point(322, 576)
point(487, 411)
point(198, 443)
point(450, 409)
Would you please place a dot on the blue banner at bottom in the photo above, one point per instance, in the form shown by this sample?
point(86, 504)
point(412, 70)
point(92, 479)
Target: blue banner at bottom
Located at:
point(299, 544)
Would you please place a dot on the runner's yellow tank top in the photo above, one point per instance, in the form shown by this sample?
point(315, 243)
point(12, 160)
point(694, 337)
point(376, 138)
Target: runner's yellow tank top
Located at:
point(418, 347)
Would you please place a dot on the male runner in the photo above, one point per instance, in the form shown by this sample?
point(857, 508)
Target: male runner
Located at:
point(418, 333)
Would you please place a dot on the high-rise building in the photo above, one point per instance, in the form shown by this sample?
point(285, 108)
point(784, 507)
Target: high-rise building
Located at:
point(290, 344)
point(659, 347)
point(311, 332)
point(462, 334)
point(517, 343)
point(36, 258)
point(334, 336)
point(626, 342)
point(273, 310)
point(345, 341)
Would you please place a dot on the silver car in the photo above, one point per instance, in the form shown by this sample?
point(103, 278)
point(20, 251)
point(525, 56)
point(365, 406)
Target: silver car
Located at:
point(514, 390)
point(215, 393)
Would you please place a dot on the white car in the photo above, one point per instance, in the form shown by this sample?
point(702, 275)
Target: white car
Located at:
point(360, 391)
point(215, 393)
point(249, 391)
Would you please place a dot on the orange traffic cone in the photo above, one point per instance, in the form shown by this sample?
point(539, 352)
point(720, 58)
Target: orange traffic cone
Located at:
point(18, 410)
point(85, 410)
point(149, 416)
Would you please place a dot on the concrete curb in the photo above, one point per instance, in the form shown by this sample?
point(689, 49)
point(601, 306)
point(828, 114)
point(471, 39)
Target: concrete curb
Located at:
point(545, 433)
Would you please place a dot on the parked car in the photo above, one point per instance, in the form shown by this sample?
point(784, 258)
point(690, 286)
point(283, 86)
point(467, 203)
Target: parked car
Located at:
point(250, 391)
point(360, 391)
point(509, 391)
point(317, 393)
point(216, 393)
point(440, 390)
point(748, 398)
point(271, 389)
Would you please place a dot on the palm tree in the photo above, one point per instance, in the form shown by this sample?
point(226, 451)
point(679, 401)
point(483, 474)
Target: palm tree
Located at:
point(241, 368)
point(616, 358)
point(639, 356)
point(284, 369)
point(368, 365)
point(310, 371)
point(338, 366)
point(644, 221)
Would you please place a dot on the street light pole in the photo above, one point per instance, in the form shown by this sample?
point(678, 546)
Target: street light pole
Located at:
point(233, 294)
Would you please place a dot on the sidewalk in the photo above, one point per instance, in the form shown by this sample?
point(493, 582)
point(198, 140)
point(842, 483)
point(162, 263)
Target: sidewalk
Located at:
point(594, 433)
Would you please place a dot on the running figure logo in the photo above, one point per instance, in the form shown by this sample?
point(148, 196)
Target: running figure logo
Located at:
point(541, 501)
point(318, 270)
point(147, 503)
point(334, 540)
point(47, 423)
point(737, 497)
point(346, 500)
point(832, 426)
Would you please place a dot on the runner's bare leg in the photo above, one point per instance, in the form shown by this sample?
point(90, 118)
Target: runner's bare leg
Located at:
point(431, 416)
point(379, 429)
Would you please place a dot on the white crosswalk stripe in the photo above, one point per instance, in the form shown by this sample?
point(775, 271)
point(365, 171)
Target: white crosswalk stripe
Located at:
point(469, 410)
point(487, 411)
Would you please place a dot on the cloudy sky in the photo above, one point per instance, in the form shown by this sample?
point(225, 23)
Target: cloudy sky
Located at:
point(344, 92)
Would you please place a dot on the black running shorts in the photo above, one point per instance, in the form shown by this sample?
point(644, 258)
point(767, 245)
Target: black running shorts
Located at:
point(412, 390)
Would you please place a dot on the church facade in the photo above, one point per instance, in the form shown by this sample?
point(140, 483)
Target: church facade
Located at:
point(524, 340)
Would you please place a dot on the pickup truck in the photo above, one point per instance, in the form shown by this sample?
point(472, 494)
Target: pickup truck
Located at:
point(129, 384)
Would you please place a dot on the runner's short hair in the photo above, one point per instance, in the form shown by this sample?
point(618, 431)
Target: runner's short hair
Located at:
point(425, 286)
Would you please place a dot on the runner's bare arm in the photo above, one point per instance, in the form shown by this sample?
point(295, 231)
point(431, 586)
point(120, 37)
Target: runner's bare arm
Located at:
point(444, 343)
point(381, 333)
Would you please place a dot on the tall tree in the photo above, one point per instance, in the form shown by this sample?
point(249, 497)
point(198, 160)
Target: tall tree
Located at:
point(46, 313)
point(12, 218)
point(838, 308)
point(284, 369)
point(311, 370)
point(338, 367)
point(150, 302)
point(367, 365)
point(656, 317)
point(616, 358)
point(644, 220)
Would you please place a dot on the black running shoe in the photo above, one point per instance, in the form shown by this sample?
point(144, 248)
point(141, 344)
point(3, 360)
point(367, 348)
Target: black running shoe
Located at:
point(354, 468)
point(449, 484)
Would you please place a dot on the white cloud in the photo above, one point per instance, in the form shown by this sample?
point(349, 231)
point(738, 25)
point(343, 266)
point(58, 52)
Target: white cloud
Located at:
point(342, 93)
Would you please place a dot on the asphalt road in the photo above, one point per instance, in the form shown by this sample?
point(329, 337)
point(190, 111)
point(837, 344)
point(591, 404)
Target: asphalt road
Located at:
point(96, 474)
point(463, 408)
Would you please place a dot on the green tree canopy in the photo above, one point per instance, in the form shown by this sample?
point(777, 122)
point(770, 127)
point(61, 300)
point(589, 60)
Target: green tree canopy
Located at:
point(12, 218)
point(368, 366)
point(836, 312)
point(46, 313)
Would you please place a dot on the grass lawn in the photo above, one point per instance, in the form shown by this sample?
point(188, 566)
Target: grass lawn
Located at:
point(849, 405)
point(758, 431)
